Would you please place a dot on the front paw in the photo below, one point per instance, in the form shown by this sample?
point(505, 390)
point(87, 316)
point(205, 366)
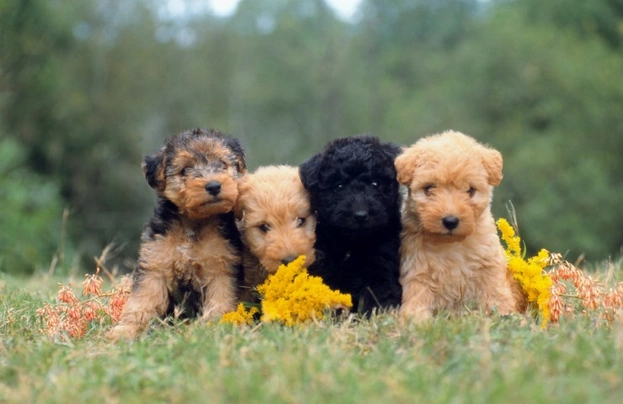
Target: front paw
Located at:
point(123, 332)
point(414, 313)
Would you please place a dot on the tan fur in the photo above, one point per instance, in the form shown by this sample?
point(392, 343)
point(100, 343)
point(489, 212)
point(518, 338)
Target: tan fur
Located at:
point(191, 254)
point(274, 197)
point(195, 202)
point(447, 175)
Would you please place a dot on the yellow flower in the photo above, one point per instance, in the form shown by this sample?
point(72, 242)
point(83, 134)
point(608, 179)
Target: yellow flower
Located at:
point(240, 316)
point(292, 296)
point(513, 242)
point(530, 274)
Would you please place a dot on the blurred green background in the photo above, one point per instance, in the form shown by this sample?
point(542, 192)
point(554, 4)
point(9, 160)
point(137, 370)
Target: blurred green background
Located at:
point(87, 87)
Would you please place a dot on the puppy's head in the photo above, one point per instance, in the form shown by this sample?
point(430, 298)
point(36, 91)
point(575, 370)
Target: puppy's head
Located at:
point(450, 178)
point(352, 183)
point(275, 216)
point(197, 170)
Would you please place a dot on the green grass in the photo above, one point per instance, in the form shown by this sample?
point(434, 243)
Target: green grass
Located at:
point(471, 358)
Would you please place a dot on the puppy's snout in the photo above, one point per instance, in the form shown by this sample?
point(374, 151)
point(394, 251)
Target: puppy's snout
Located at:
point(361, 215)
point(288, 259)
point(213, 187)
point(450, 222)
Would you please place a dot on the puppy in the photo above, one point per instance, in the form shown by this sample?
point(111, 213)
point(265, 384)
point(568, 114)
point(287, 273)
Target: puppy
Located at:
point(354, 194)
point(451, 253)
point(190, 252)
point(275, 222)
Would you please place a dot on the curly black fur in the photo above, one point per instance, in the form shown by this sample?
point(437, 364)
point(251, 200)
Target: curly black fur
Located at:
point(354, 192)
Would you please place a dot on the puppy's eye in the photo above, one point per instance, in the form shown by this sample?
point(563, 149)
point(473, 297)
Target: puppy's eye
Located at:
point(185, 171)
point(339, 187)
point(471, 191)
point(300, 221)
point(428, 189)
point(264, 228)
point(222, 164)
point(374, 184)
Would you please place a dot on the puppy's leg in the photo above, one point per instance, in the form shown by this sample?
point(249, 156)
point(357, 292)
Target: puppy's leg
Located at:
point(254, 275)
point(149, 298)
point(219, 294)
point(497, 293)
point(501, 300)
point(417, 301)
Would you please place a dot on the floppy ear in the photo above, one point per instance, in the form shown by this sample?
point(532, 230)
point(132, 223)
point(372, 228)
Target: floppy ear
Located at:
point(243, 187)
point(153, 169)
point(391, 150)
point(309, 170)
point(238, 150)
point(492, 160)
point(405, 165)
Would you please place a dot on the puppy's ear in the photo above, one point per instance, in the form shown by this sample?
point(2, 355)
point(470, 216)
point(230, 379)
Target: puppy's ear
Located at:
point(243, 188)
point(405, 165)
point(235, 146)
point(492, 160)
point(153, 169)
point(309, 171)
point(391, 150)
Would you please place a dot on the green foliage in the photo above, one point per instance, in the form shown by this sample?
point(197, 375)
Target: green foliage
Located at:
point(466, 358)
point(31, 213)
point(87, 88)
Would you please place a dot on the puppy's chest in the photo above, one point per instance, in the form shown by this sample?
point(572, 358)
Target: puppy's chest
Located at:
point(454, 274)
point(201, 252)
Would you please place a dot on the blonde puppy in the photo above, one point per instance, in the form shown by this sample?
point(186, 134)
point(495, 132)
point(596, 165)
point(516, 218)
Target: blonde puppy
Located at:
point(450, 251)
point(275, 221)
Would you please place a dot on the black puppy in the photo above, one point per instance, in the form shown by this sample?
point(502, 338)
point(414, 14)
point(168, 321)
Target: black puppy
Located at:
point(354, 192)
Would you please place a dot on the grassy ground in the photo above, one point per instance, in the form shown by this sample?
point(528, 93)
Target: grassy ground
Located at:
point(470, 358)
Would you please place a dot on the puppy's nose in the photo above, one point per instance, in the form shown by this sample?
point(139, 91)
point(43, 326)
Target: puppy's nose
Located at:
point(288, 259)
point(450, 222)
point(361, 215)
point(213, 187)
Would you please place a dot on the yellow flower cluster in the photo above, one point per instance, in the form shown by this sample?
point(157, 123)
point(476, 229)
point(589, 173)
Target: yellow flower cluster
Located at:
point(292, 296)
point(241, 316)
point(530, 274)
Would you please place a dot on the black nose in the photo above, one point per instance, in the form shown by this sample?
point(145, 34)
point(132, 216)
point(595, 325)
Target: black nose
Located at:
point(213, 187)
point(288, 259)
point(361, 215)
point(450, 222)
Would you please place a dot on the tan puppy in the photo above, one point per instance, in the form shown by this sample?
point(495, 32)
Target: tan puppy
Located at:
point(450, 250)
point(275, 222)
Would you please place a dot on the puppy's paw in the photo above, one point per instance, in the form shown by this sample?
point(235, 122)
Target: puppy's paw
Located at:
point(415, 314)
point(123, 332)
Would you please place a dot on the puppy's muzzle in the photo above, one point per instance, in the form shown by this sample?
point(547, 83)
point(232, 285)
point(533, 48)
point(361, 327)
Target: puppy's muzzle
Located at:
point(288, 259)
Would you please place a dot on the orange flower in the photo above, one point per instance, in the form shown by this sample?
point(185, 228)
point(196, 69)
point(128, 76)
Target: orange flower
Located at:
point(92, 285)
point(66, 295)
point(72, 316)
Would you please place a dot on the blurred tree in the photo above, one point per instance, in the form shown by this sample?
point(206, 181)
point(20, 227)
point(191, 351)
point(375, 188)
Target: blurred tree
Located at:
point(406, 46)
point(59, 77)
point(31, 214)
point(290, 83)
point(87, 87)
point(587, 19)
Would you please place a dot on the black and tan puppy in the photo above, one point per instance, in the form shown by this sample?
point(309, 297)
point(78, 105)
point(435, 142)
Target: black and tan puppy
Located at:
point(190, 252)
point(354, 193)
